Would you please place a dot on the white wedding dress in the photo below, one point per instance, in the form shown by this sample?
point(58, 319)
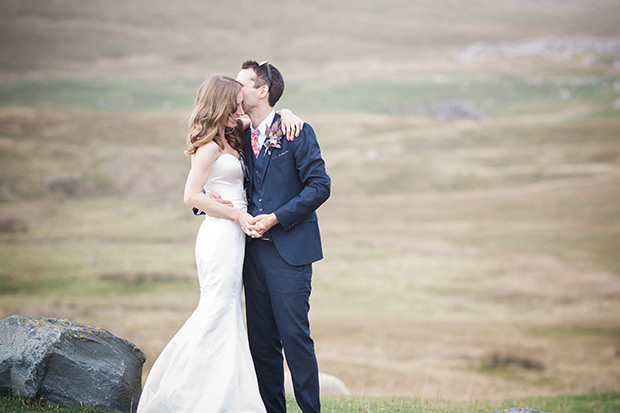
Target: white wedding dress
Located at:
point(207, 366)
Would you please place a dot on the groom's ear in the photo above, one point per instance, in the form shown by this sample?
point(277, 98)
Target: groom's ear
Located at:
point(264, 92)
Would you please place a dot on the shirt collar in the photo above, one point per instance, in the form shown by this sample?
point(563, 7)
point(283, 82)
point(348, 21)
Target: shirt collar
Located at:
point(265, 124)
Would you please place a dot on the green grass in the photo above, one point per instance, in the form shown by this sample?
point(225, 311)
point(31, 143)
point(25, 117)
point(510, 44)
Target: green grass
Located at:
point(98, 94)
point(604, 402)
point(599, 403)
point(12, 404)
point(395, 96)
point(494, 95)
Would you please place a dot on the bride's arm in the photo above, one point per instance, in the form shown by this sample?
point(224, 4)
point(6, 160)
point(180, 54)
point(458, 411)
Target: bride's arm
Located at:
point(291, 123)
point(202, 161)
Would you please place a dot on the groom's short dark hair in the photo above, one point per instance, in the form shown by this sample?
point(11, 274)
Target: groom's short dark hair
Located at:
point(276, 85)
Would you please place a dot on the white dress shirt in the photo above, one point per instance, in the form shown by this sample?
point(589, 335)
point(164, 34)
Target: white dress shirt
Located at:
point(263, 127)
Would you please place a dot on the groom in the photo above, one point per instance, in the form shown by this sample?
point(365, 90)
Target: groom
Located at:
point(287, 183)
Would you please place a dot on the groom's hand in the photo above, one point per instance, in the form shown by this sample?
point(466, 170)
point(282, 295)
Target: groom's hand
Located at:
point(215, 196)
point(265, 221)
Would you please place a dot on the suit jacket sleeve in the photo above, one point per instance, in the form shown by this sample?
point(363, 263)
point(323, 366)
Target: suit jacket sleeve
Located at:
point(316, 184)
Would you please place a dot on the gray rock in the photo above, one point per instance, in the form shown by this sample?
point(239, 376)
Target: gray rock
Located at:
point(565, 48)
point(69, 364)
point(519, 410)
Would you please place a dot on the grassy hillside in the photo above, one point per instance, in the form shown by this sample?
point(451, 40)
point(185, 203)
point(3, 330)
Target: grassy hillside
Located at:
point(472, 234)
point(138, 39)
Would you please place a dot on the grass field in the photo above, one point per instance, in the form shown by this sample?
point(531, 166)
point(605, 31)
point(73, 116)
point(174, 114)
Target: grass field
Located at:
point(600, 403)
point(466, 258)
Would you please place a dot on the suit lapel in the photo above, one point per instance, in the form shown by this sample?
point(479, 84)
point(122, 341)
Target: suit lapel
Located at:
point(269, 152)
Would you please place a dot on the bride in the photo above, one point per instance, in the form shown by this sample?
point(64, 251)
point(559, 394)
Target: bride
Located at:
point(207, 366)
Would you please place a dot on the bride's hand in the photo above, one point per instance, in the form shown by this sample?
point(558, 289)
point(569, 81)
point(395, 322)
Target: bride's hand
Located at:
point(248, 224)
point(291, 124)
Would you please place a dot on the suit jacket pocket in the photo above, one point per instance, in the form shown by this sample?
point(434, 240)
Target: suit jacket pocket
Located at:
point(285, 153)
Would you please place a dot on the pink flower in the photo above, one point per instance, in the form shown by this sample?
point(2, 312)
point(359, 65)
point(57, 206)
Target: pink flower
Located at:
point(274, 142)
point(274, 136)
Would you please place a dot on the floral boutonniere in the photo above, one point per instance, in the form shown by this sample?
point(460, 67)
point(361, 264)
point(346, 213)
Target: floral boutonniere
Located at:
point(274, 136)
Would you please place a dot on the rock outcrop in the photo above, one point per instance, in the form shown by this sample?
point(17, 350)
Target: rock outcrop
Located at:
point(69, 364)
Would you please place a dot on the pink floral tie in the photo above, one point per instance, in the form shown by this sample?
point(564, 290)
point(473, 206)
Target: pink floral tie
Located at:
point(255, 145)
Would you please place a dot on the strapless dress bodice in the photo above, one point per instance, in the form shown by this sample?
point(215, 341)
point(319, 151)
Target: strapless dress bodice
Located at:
point(226, 178)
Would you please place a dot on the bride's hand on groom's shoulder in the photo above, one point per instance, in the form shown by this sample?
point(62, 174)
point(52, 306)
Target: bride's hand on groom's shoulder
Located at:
point(291, 124)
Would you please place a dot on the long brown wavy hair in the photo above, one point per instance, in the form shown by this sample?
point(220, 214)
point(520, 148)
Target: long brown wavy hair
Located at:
point(215, 105)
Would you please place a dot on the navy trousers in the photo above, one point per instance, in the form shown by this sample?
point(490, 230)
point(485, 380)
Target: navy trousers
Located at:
point(277, 303)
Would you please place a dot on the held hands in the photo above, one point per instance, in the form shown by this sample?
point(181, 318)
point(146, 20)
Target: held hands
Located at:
point(265, 221)
point(256, 226)
point(248, 225)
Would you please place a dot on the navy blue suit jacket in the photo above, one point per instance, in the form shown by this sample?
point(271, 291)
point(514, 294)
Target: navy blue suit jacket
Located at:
point(295, 185)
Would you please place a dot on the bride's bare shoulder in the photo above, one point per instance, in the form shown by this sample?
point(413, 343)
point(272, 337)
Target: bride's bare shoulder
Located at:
point(207, 153)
